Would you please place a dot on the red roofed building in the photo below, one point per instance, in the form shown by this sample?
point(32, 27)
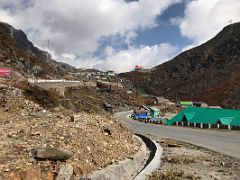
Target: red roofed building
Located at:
point(138, 68)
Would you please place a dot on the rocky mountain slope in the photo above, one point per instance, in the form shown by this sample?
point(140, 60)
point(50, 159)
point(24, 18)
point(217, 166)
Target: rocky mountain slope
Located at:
point(18, 53)
point(58, 132)
point(27, 61)
point(209, 72)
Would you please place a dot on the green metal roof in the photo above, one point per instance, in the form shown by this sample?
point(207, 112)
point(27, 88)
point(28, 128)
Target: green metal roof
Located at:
point(154, 109)
point(186, 103)
point(169, 122)
point(145, 107)
point(208, 115)
point(226, 120)
point(189, 116)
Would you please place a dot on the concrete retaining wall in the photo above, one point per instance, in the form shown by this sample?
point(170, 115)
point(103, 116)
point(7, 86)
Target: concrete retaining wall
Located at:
point(62, 85)
point(126, 169)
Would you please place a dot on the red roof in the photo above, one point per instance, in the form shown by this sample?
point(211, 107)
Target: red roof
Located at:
point(138, 67)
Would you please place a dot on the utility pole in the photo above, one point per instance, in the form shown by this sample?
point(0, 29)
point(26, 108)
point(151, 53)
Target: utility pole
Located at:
point(11, 32)
point(230, 22)
point(48, 46)
point(11, 47)
point(28, 56)
point(15, 55)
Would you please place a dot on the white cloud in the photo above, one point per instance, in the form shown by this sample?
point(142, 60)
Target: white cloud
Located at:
point(68, 56)
point(124, 60)
point(175, 21)
point(4, 15)
point(203, 19)
point(77, 26)
point(189, 47)
point(147, 56)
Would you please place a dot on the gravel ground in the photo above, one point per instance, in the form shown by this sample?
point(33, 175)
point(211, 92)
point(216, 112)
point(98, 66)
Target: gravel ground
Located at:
point(185, 161)
point(94, 140)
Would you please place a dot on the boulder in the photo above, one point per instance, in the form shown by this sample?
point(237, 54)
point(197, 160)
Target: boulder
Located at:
point(107, 105)
point(49, 153)
point(65, 172)
point(3, 86)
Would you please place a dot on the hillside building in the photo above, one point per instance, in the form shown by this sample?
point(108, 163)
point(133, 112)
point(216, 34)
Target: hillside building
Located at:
point(154, 112)
point(138, 68)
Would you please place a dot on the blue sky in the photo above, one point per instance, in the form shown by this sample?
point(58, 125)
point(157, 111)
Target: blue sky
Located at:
point(119, 34)
point(165, 31)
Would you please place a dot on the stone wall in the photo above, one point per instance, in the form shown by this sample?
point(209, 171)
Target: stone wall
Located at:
point(63, 85)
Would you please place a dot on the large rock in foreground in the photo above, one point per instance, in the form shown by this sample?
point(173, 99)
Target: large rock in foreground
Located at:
point(49, 153)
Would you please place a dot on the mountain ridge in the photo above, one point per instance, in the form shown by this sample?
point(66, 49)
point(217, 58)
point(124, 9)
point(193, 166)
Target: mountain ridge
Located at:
point(205, 73)
point(19, 53)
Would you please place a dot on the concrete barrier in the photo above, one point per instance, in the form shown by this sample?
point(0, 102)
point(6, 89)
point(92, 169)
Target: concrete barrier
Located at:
point(127, 169)
point(139, 168)
point(154, 160)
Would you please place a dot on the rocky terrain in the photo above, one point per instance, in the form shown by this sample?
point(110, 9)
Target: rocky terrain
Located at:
point(185, 161)
point(38, 142)
point(27, 61)
point(57, 132)
point(208, 73)
point(18, 53)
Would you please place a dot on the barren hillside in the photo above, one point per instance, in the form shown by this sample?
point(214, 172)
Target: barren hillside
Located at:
point(209, 72)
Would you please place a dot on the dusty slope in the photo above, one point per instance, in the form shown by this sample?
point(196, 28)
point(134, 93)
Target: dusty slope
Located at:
point(95, 140)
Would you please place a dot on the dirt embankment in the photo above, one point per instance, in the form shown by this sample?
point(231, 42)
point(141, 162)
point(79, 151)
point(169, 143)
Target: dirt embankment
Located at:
point(93, 140)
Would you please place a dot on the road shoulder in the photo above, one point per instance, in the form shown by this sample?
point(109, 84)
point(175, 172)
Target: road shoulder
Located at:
point(182, 160)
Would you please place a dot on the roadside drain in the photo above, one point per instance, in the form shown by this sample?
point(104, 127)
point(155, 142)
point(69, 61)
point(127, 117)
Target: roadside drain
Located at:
point(138, 168)
point(154, 159)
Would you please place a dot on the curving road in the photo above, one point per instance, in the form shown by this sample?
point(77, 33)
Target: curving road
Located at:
point(224, 142)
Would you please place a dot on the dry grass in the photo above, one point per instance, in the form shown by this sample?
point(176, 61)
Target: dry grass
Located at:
point(170, 174)
point(179, 159)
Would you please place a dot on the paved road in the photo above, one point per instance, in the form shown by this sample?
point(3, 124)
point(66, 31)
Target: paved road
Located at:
point(224, 142)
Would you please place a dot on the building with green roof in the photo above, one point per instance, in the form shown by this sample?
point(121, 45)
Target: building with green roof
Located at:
point(186, 103)
point(154, 112)
point(195, 116)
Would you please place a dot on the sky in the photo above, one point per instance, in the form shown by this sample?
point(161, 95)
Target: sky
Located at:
point(119, 34)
